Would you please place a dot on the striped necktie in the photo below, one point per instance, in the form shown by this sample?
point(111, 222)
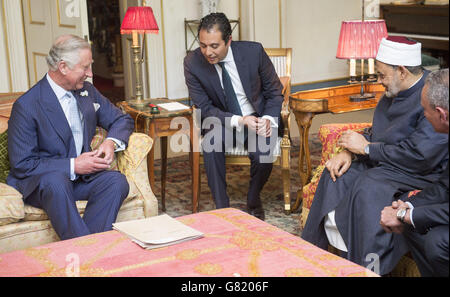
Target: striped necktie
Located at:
point(230, 94)
point(75, 123)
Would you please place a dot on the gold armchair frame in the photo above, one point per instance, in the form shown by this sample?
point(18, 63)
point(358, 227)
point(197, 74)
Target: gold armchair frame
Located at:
point(282, 61)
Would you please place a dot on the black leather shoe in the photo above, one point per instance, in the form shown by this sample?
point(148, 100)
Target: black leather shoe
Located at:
point(258, 213)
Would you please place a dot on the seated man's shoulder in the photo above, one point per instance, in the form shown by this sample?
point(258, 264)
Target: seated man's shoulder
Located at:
point(249, 44)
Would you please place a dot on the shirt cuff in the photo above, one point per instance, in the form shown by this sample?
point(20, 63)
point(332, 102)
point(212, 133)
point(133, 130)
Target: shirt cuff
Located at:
point(273, 123)
point(234, 122)
point(120, 144)
point(411, 209)
point(73, 176)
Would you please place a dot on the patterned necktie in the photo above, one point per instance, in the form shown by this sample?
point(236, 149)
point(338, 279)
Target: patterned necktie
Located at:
point(232, 102)
point(75, 123)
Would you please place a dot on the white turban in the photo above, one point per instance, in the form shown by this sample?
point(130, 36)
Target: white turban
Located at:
point(400, 51)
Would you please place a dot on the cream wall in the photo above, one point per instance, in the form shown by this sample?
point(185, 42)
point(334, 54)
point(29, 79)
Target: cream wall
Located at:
point(311, 28)
point(13, 62)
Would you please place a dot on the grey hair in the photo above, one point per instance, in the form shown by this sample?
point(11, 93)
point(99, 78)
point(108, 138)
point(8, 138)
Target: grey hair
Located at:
point(65, 48)
point(437, 83)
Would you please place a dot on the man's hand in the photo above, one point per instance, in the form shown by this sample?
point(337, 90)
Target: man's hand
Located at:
point(353, 141)
point(264, 127)
point(389, 221)
point(88, 163)
point(106, 151)
point(339, 164)
point(250, 121)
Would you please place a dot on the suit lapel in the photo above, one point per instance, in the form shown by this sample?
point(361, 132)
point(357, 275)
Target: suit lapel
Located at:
point(243, 70)
point(53, 110)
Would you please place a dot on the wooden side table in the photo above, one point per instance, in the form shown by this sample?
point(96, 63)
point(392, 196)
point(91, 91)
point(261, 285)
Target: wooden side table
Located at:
point(158, 125)
point(306, 104)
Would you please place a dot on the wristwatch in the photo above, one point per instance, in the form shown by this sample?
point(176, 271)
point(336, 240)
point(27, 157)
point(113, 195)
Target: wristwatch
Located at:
point(366, 149)
point(401, 213)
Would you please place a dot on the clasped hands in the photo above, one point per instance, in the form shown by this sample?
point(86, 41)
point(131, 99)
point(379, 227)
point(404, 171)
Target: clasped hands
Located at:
point(95, 161)
point(352, 142)
point(260, 125)
point(389, 220)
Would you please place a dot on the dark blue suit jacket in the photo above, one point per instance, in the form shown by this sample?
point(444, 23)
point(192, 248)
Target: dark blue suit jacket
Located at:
point(431, 205)
point(40, 140)
point(258, 76)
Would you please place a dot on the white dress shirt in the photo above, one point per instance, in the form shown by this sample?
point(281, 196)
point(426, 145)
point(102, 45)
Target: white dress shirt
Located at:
point(64, 101)
point(244, 103)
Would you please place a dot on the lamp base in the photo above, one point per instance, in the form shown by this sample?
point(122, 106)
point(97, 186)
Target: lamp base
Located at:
point(139, 103)
point(362, 97)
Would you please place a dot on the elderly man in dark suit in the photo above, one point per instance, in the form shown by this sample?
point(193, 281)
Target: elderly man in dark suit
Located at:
point(49, 136)
point(235, 83)
point(423, 218)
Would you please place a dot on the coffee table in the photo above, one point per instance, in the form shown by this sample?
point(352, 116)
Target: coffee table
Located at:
point(235, 244)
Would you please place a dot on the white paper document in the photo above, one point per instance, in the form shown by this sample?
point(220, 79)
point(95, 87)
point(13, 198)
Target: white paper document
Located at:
point(156, 232)
point(173, 106)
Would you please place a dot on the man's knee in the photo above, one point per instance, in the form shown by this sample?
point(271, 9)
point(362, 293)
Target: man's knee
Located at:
point(52, 178)
point(118, 183)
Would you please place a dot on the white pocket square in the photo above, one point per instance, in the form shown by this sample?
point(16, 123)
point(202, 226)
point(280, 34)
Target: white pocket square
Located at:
point(96, 106)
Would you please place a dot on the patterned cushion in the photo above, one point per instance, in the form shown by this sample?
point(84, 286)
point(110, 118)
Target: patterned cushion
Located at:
point(4, 160)
point(11, 205)
point(97, 140)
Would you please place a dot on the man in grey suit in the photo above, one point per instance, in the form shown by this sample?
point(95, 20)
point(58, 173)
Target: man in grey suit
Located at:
point(235, 83)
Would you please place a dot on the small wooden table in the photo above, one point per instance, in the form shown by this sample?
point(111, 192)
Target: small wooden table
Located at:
point(306, 104)
point(158, 125)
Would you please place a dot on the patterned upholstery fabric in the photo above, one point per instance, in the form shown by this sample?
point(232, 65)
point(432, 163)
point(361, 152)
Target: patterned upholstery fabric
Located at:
point(97, 140)
point(329, 135)
point(235, 244)
point(11, 205)
point(4, 160)
point(30, 226)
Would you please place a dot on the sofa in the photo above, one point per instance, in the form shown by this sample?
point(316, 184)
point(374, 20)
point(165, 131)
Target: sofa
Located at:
point(328, 136)
point(23, 226)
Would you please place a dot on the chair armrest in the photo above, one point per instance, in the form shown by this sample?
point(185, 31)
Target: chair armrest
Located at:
point(329, 134)
point(133, 164)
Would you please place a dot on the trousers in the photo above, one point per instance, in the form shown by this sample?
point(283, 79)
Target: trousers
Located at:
point(57, 196)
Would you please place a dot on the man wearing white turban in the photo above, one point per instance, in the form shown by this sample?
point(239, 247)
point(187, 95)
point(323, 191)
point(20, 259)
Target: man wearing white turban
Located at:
point(399, 153)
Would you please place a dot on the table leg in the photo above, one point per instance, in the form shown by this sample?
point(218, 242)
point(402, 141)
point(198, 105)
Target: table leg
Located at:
point(163, 171)
point(151, 155)
point(304, 120)
point(194, 156)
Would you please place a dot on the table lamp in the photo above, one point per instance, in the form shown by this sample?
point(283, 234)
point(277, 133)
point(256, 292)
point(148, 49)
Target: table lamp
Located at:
point(361, 40)
point(138, 20)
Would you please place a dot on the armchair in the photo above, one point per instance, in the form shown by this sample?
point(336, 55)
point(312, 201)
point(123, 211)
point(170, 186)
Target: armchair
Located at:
point(329, 135)
point(282, 60)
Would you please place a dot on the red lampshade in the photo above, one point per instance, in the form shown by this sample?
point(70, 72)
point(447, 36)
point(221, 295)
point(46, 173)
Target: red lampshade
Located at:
point(139, 19)
point(360, 40)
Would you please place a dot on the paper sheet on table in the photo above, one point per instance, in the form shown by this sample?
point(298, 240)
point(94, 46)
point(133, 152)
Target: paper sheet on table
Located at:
point(156, 232)
point(173, 106)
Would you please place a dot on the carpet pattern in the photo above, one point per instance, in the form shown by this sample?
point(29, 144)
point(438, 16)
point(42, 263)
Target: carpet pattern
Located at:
point(179, 184)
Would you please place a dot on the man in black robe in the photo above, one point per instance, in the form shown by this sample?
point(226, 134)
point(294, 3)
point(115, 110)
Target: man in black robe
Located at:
point(399, 153)
point(423, 218)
